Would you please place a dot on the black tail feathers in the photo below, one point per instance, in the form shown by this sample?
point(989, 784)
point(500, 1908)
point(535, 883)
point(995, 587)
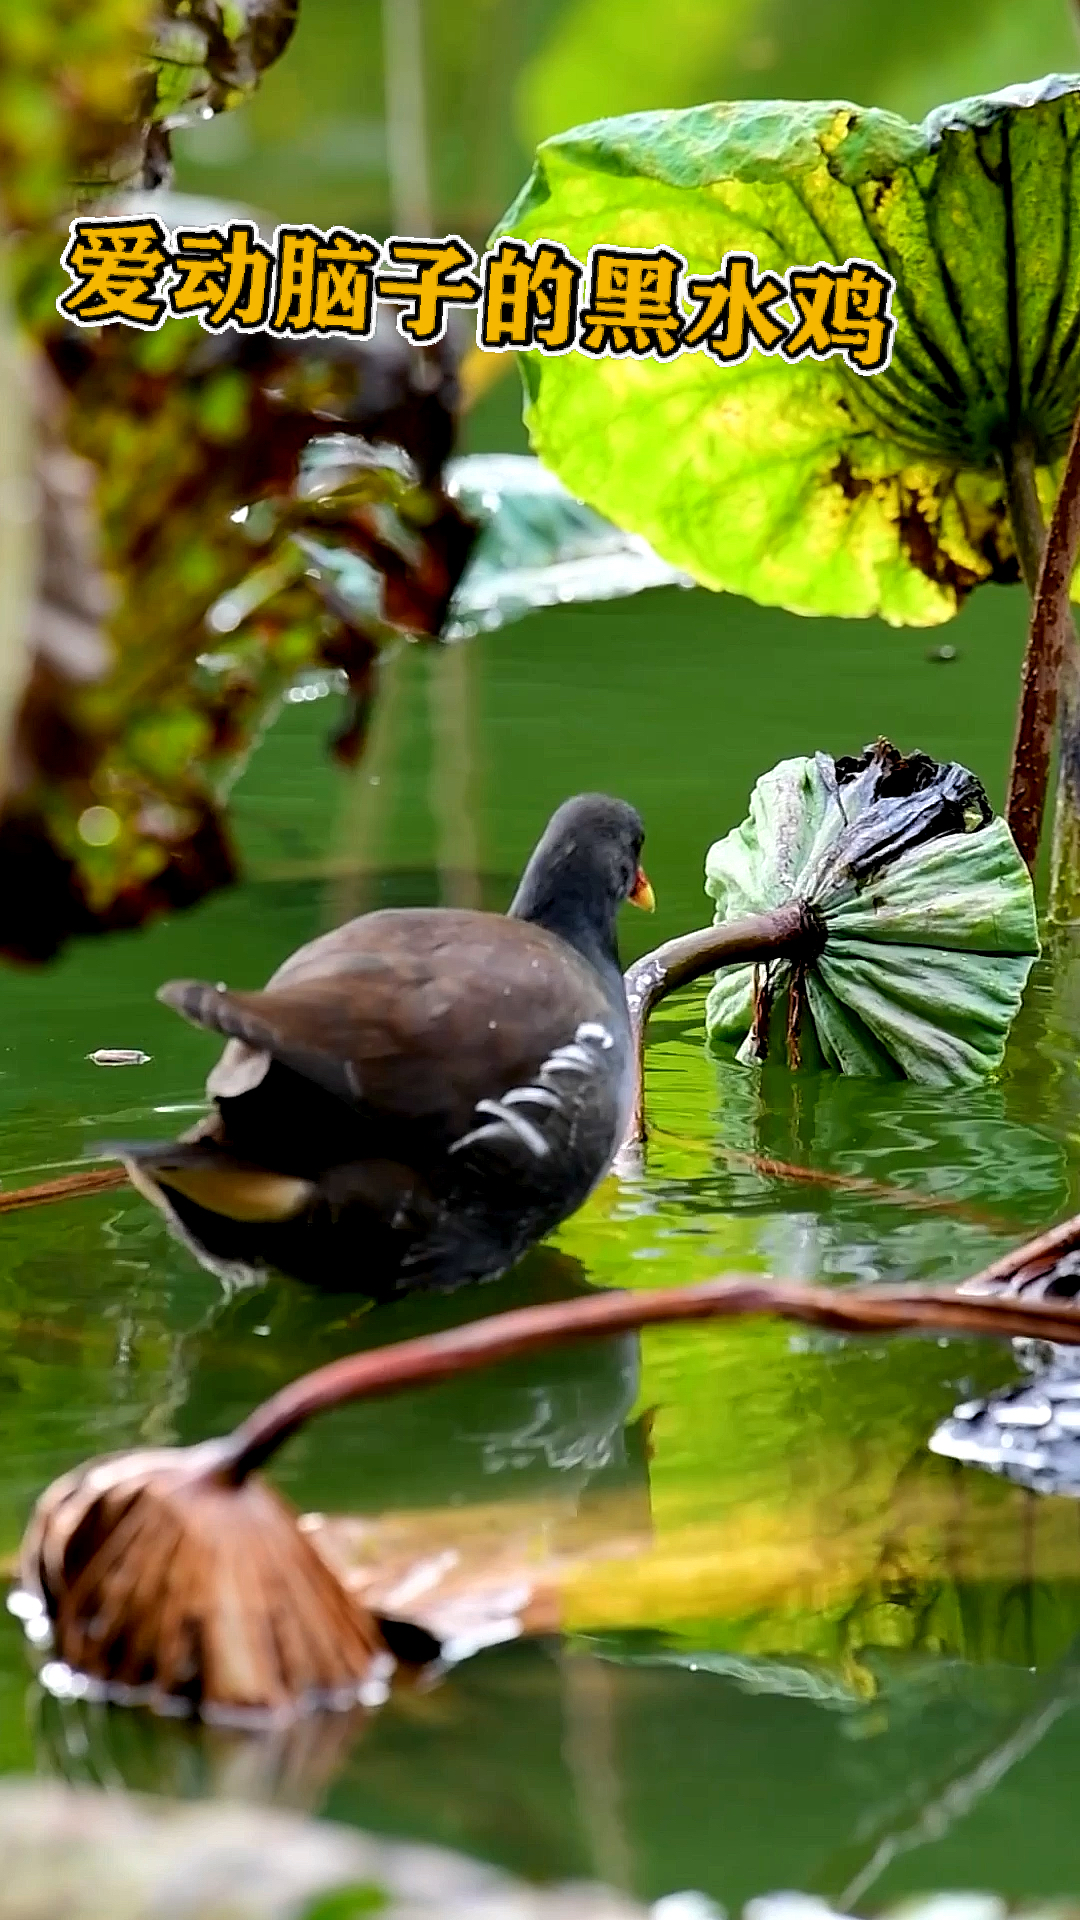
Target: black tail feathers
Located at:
point(217, 1009)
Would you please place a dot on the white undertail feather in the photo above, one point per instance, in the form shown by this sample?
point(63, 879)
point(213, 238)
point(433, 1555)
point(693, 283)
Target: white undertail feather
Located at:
point(506, 1125)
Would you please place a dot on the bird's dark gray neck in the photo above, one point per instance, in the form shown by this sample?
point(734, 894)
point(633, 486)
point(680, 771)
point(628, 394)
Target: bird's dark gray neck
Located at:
point(573, 914)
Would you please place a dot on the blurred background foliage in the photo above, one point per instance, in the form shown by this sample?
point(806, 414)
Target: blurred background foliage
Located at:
point(500, 75)
point(69, 87)
point(149, 483)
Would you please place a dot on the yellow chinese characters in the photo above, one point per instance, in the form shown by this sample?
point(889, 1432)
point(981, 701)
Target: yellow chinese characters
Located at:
point(735, 310)
point(530, 298)
point(437, 284)
point(323, 283)
point(632, 303)
point(642, 303)
point(116, 267)
point(842, 311)
point(223, 277)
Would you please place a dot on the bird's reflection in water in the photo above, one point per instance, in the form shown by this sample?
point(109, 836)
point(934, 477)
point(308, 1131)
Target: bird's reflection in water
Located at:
point(553, 1422)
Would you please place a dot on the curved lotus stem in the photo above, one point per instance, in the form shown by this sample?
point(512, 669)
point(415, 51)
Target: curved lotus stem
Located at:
point(507, 1336)
point(790, 931)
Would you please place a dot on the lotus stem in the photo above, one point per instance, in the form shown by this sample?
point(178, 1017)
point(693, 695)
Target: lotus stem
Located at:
point(509, 1336)
point(1034, 1255)
point(1025, 513)
point(785, 932)
point(1049, 658)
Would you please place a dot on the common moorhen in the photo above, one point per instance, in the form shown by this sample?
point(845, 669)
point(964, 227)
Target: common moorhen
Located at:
point(417, 1097)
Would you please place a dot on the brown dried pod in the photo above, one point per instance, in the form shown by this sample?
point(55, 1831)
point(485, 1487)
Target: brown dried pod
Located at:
point(167, 1581)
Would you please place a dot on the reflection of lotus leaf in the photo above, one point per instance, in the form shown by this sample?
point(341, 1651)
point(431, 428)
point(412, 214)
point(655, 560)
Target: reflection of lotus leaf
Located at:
point(966, 1151)
point(917, 1184)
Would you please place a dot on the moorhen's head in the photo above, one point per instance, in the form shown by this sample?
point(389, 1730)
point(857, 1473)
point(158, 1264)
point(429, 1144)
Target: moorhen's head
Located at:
point(586, 864)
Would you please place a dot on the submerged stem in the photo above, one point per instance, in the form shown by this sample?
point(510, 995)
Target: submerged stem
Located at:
point(70, 1186)
point(792, 929)
point(507, 1336)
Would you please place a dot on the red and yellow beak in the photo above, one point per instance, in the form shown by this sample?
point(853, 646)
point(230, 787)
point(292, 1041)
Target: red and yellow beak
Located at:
point(641, 893)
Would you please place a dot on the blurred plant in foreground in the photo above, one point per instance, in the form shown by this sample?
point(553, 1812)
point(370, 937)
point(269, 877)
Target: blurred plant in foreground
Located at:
point(156, 604)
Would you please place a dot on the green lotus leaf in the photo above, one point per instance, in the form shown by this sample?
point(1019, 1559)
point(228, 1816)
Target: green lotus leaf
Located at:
point(926, 909)
point(807, 485)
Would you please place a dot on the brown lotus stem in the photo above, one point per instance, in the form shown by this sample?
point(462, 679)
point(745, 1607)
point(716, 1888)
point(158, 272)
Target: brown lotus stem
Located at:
point(1036, 1255)
point(76, 1186)
point(1051, 636)
point(71, 1186)
point(508, 1336)
point(793, 930)
point(857, 1183)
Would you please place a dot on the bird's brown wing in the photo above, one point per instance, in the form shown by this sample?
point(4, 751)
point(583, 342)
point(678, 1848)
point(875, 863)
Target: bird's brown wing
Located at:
point(412, 1014)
